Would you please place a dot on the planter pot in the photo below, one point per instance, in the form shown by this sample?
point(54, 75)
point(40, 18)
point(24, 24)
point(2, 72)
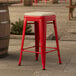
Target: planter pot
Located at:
point(28, 2)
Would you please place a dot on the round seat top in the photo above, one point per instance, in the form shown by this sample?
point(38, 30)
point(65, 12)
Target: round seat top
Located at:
point(39, 13)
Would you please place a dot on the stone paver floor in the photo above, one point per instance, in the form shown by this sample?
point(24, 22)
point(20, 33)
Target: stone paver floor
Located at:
point(9, 65)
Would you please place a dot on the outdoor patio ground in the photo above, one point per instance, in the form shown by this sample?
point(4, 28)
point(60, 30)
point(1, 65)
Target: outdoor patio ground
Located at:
point(30, 67)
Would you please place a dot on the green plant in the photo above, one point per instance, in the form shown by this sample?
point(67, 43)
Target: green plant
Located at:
point(17, 28)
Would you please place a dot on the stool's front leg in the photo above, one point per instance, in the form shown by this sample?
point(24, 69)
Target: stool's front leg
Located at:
point(42, 33)
point(23, 37)
point(37, 39)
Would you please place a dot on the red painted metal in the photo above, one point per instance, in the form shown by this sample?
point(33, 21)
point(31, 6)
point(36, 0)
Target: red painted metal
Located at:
point(23, 37)
point(55, 29)
point(36, 39)
point(47, 23)
point(36, 1)
point(37, 52)
point(42, 32)
point(40, 46)
point(45, 1)
point(31, 51)
point(40, 35)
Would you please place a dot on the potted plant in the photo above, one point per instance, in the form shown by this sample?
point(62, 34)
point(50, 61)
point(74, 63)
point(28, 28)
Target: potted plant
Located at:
point(17, 28)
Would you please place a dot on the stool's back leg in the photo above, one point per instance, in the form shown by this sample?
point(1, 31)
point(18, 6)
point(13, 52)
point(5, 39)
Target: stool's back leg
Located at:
point(57, 43)
point(37, 39)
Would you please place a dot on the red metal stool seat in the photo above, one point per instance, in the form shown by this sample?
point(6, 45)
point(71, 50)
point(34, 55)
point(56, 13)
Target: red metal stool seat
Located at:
point(40, 20)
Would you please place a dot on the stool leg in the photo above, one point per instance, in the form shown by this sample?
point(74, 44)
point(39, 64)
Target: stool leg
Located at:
point(45, 1)
point(42, 33)
point(23, 37)
point(37, 39)
point(57, 43)
point(36, 1)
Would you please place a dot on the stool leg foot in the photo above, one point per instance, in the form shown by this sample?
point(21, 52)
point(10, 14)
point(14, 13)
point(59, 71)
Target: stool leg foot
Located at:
point(59, 57)
point(37, 39)
point(23, 37)
point(42, 33)
point(19, 64)
point(44, 69)
point(57, 43)
point(20, 58)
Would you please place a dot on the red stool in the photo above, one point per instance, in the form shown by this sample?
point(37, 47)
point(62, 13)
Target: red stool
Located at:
point(40, 19)
point(36, 1)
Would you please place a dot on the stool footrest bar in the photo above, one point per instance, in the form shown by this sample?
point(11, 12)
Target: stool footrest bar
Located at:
point(38, 52)
point(47, 23)
point(54, 49)
point(40, 46)
point(31, 51)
